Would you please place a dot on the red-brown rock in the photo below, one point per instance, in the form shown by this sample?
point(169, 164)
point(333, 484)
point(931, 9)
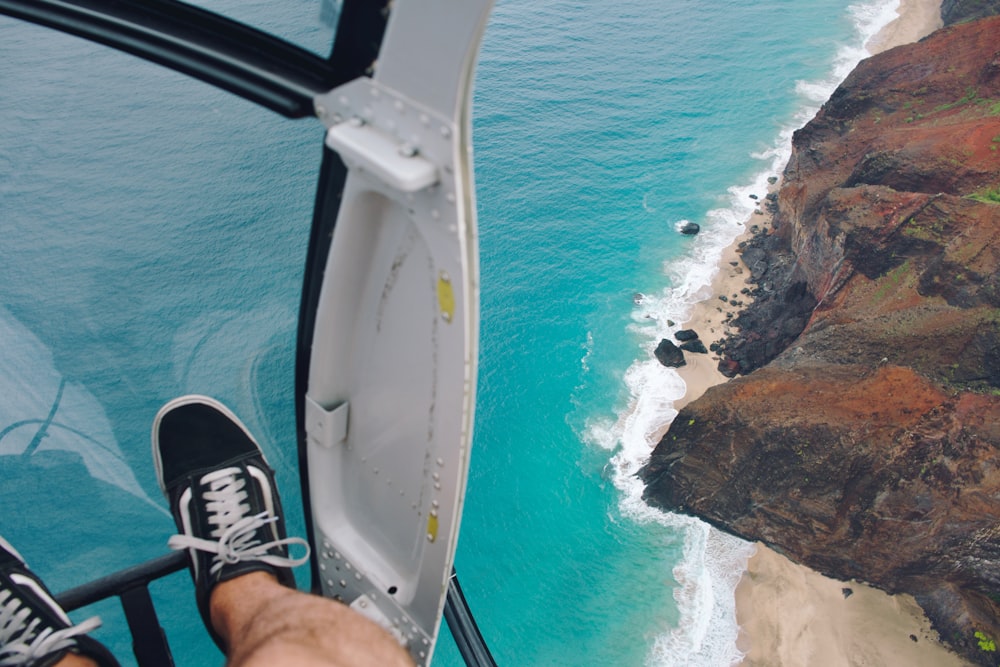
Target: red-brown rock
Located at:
point(865, 439)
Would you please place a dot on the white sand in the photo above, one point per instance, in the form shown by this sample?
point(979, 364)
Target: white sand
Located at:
point(790, 615)
point(917, 19)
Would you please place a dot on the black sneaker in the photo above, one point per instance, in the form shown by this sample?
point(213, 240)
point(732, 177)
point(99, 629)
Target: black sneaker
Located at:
point(222, 495)
point(34, 629)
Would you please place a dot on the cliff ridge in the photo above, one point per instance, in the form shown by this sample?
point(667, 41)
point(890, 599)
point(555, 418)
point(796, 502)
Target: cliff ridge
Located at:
point(863, 435)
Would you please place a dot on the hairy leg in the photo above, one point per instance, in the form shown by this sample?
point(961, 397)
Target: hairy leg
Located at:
point(263, 623)
point(74, 660)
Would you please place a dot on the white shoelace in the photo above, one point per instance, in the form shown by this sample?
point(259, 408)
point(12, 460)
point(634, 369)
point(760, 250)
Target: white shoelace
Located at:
point(234, 528)
point(21, 641)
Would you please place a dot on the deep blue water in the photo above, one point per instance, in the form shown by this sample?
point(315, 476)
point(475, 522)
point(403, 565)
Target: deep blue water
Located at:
point(153, 233)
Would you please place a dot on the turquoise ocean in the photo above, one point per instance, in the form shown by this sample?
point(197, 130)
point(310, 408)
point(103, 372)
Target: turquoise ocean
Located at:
point(153, 232)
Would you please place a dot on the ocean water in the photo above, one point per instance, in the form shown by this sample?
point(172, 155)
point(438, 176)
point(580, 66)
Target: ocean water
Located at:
point(154, 231)
point(598, 131)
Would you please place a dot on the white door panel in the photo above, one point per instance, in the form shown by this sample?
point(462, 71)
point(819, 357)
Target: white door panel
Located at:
point(393, 367)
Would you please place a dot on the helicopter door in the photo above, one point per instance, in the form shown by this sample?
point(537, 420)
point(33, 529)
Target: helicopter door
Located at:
point(391, 375)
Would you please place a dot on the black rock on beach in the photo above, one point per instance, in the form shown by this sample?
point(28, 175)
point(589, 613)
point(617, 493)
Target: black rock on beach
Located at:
point(669, 354)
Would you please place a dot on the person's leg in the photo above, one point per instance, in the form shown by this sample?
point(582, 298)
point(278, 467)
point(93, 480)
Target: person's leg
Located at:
point(74, 660)
point(226, 507)
point(265, 623)
point(34, 629)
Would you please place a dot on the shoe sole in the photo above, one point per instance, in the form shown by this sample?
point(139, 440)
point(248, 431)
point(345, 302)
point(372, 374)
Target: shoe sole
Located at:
point(191, 399)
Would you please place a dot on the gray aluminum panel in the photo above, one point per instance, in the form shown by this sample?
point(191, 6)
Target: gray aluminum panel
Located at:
point(393, 373)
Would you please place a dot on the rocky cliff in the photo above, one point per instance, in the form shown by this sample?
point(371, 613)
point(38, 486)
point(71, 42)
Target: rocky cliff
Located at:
point(863, 436)
point(956, 11)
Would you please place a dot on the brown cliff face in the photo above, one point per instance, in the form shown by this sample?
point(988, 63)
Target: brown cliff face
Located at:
point(864, 438)
point(956, 11)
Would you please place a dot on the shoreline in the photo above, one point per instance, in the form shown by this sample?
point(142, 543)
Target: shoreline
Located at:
point(789, 614)
point(709, 317)
point(916, 19)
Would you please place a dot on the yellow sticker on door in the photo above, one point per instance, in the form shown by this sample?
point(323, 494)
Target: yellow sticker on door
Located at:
point(432, 527)
point(446, 297)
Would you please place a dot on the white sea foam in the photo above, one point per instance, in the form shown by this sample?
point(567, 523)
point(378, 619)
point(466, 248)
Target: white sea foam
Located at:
point(713, 562)
point(868, 18)
point(588, 350)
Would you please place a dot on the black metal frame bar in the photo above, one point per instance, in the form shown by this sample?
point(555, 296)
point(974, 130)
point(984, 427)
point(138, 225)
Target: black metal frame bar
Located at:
point(131, 586)
point(471, 645)
point(225, 53)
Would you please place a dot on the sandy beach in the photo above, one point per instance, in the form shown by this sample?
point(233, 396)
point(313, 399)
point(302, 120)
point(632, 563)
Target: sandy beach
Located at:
point(790, 615)
point(917, 19)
